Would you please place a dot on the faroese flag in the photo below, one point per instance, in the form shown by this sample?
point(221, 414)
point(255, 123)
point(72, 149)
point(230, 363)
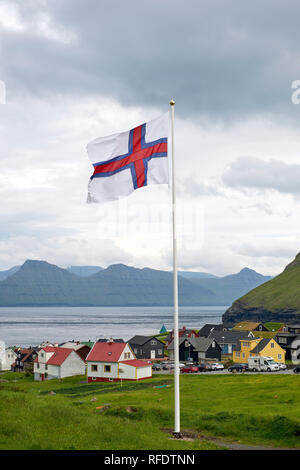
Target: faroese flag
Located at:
point(129, 160)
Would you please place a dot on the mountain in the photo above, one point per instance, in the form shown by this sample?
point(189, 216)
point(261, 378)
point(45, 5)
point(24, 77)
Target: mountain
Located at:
point(232, 286)
point(276, 300)
point(5, 274)
point(195, 275)
point(42, 284)
point(84, 271)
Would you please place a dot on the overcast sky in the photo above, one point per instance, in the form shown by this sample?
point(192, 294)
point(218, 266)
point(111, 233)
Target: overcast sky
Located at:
point(77, 70)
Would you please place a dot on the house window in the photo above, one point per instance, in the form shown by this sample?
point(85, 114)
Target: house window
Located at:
point(160, 351)
point(107, 368)
point(46, 366)
point(153, 342)
point(213, 344)
point(243, 355)
point(279, 356)
point(127, 355)
point(135, 351)
point(272, 345)
point(94, 368)
point(237, 354)
point(282, 340)
point(42, 354)
point(37, 366)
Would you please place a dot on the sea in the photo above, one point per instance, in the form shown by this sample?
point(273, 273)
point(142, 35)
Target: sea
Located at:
point(30, 326)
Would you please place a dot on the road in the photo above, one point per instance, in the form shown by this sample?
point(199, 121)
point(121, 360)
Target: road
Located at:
point(225, 371)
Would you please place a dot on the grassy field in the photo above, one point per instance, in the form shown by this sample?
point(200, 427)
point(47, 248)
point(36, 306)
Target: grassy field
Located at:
point(253, 409)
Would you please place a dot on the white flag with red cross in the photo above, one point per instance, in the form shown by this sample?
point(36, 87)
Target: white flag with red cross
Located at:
point(129, 160)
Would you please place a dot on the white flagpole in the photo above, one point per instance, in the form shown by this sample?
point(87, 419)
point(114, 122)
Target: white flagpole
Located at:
point(175, 289)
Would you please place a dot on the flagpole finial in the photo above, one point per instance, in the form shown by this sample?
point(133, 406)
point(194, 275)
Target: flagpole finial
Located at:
point(172, 102)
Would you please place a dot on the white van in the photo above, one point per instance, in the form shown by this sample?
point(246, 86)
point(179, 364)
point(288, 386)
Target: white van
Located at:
point(262, 363)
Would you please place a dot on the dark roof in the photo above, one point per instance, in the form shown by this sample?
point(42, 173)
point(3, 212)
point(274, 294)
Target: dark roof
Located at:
point(232, 337)
point(138, 339)
point(206, 329)
point(261, 345)
point(200, 344)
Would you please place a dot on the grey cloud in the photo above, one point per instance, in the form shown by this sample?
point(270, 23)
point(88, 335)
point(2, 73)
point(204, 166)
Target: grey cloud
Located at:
point(218, 58)
point(252, 172)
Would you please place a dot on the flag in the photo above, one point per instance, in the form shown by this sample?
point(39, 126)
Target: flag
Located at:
point(129, 160)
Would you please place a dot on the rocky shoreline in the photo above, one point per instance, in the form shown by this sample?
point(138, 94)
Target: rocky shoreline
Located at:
point(239, 312)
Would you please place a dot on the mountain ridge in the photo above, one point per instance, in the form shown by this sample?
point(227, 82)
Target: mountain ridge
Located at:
point(42, 284)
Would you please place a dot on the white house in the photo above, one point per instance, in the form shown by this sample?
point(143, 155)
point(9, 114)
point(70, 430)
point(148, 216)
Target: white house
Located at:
point(7, 358)
point(54, 362)
point(113, 362)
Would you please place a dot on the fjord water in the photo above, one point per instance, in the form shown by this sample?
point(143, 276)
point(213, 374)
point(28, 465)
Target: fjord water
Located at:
point(29, 326)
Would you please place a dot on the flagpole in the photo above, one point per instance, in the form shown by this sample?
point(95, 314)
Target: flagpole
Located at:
point(176, 432)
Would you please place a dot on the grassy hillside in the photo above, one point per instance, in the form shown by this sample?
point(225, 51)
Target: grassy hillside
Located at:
point(279, 296)
point(260, 409)
point(281, 293)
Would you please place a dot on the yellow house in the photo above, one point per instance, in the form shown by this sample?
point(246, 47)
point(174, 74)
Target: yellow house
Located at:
point(258, 347)
point(242, 352)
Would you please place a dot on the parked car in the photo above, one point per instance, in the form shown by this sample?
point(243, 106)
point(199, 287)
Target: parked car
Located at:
point(281, 366)
point(157, 366)
point(189, 369)
point(166, 365)
point(202, 367)
point(296, 369)
point(208, 367)
point(217, 366)
point(236, 368)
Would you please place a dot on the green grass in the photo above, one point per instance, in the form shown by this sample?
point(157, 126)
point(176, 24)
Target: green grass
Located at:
point(254, 409)
point(280, 293)
point(273, 326)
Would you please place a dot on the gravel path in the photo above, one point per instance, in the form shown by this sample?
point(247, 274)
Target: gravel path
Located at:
point(193, 435)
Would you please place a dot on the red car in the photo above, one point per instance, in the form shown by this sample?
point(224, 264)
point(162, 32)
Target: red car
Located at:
point(189, 369)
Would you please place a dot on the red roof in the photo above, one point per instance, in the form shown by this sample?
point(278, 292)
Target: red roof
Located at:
point(59, 356)
point(109, 352)
point(135, 363)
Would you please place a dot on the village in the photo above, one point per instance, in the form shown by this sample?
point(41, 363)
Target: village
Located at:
point(247, 346)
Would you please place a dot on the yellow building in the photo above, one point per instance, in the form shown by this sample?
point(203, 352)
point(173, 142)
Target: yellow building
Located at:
point(258, 347)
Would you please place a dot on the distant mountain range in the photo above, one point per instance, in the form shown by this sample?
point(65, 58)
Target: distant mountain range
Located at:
point(38, 283)
point(276, 300)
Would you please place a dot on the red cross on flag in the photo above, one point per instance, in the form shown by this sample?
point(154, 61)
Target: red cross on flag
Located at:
point(129, 160)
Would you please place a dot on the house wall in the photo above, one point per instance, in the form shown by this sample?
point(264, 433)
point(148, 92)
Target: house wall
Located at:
point(127, 350)
point(100, 372)
point(127, 372)
point(144, 372)
point(242, 355)
point(72, 365)
point(144, 351)
point(274, 352)
point(8, 358)
point(49, 371)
